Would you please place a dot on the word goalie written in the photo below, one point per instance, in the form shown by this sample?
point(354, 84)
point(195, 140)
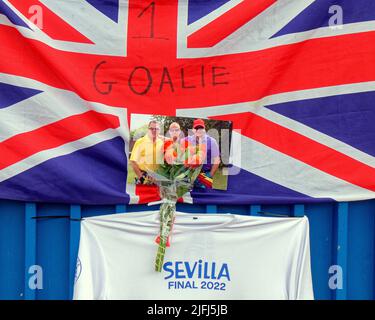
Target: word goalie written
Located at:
point(141, 78)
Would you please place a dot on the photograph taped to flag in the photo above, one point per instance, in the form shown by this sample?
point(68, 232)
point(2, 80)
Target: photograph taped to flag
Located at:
point(162, 147)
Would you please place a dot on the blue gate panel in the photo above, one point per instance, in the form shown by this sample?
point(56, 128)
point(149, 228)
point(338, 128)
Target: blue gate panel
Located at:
point(321, 246)
point(12, 239)
point(53, 251)
point(361, 250)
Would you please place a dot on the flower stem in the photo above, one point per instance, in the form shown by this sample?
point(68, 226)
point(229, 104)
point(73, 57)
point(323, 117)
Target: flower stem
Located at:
point(167, 214)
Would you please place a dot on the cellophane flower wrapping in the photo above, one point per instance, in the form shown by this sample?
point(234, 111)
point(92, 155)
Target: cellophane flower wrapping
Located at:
point(175, 177)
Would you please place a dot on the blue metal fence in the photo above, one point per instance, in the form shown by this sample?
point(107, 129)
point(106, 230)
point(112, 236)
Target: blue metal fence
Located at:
point(341, 234)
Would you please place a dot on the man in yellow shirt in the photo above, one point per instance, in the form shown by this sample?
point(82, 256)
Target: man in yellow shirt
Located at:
point(147, 153)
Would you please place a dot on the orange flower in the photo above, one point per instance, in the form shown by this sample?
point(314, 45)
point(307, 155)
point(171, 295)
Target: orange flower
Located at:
point(170, 156)
point(184, 145)
point(167, 144)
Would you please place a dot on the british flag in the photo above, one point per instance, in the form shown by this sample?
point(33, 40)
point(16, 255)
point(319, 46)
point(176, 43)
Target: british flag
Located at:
point(296, 77)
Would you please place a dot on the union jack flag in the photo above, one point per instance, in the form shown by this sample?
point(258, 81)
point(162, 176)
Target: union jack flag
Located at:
point(298, 85)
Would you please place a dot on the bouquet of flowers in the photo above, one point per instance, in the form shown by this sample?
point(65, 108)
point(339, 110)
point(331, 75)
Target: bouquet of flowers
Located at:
point(175, 177)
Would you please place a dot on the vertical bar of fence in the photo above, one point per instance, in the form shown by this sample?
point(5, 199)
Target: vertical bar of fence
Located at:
point(30, 248)
point(255, 210)
point(298, 210)
point(211, 208)
point(342, 247)
point(75, 217)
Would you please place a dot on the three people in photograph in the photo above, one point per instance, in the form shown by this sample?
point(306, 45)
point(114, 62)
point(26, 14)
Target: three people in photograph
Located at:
point(150, 151)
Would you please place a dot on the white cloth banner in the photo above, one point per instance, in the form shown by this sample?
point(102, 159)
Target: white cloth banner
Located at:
point(212, 256)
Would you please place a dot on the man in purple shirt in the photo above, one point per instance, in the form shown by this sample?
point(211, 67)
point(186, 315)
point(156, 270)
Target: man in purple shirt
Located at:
point(212, 159)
